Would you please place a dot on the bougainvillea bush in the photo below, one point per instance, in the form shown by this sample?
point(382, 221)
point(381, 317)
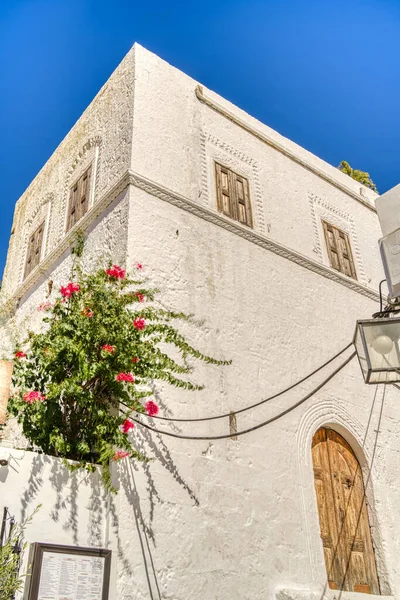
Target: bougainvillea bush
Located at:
point(103, 343)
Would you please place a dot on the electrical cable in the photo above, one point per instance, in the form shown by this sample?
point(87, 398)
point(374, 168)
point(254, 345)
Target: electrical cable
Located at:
point(237, 412)
point(255, 427)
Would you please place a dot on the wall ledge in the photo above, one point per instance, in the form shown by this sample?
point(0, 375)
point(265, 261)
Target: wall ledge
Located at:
point(280, 148)
point(130, 178)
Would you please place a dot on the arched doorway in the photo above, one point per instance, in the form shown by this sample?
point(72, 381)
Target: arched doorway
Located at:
point(343, 516)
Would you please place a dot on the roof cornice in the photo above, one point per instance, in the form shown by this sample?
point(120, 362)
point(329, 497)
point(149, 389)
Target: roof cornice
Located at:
point(280, 148)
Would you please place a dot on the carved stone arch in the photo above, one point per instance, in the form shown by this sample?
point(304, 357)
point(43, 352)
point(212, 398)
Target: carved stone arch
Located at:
point(89, 153)
point(38, 206)
point(333, 414)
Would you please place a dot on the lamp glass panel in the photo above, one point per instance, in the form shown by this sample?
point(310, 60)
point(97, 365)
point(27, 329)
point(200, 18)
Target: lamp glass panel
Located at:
point(361, 353)
point(382, 339)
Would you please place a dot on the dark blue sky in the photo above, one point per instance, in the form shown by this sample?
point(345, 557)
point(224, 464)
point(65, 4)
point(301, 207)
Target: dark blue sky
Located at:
point(325, 73)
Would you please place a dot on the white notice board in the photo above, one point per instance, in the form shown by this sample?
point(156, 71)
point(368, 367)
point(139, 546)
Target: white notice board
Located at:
point(69, 573)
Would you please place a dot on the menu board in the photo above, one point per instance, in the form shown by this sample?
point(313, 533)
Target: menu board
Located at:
point(68, 573)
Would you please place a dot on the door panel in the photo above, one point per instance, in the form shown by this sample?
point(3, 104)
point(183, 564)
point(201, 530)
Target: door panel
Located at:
point(342, 510)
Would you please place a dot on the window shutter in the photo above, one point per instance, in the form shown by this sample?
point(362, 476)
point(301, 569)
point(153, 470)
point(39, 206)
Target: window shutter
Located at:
point(29, 255)
point(241, 186)
point(78, 204)
point(84, 189)
point(38, 243)
point(344, 524)
point(224, 199)
point(233, 197)
point(73, 206)
point(34, 251)
point(331, 245)
point(339, 250)
point(345, 253)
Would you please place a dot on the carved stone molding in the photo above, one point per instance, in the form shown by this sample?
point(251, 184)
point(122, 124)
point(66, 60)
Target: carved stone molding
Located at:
point(42, 211)
point(283, 150)
point(220, 151)
point(89, 153)
point(333, 412)
point(212, 216)
point(323, 210)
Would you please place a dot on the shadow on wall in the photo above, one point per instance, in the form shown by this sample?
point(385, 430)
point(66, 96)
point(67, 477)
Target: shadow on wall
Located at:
point(154, 446)
point(69, 505)
point(72, 508)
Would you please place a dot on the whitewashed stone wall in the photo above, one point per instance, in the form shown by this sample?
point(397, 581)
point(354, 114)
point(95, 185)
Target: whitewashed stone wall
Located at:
point(102, 136)
point(74, 508)
point(235, 520)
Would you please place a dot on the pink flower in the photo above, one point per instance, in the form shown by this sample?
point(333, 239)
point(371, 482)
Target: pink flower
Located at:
point(120, 454)
point(135, 359)
point(44, 306)
point(138, 266)
point(108, 348)
point(20, 354)
point(87, 312)
point(139, 323)
point(116, 272)
point(128, 377)
point(69, 289)
point(151, 408)
point(127, 425)
point(31, 397)
point(140, 297)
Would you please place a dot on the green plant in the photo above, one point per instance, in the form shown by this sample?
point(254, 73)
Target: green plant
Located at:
point(102, 346)
point(360, 176)
point(11, 581)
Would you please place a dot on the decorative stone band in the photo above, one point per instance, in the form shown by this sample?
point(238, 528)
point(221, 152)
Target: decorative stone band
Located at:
point(274, 144)
point(163, 193)
point(6, 368)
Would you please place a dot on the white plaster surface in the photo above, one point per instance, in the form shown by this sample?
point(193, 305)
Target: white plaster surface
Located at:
point(73, 506)
point(229, 520)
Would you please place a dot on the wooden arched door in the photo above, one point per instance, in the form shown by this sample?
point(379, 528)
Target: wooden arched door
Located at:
point(343, 516)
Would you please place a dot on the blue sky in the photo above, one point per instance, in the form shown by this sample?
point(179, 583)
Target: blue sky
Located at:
point(325, 73)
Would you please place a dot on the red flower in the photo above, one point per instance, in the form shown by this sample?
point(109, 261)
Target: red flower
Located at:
point(69, 289)
point(44, 306)
point(151, 408)
point(116, 272)
point(120, 454)
point(127, 425)
point(87, 312)
point(140, 297)
point(135, 359)
point(128, 377)
point(31, 397)
point(108, 348)
point(138, 266)
point(20, 354)
point(139, 323)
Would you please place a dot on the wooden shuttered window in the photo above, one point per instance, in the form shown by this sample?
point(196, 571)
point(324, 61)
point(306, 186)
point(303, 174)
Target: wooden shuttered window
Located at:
point(233, 198)
point(339, 250)
point(34, 249)
point(79, 198)
point(343, 516)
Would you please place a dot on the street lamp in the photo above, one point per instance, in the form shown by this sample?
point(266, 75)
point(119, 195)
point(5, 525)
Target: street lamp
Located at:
point(377, 342)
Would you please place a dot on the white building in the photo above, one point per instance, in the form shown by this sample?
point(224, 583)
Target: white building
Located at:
point(277, 252)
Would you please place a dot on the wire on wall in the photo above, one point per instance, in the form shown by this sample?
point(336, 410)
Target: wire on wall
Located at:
point(259, 425)
point(246, 408)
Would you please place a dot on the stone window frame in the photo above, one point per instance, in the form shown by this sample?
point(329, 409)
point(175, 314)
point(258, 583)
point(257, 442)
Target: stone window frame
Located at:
point(89, 155)
point(41, 214)
point(215, 150)
point(323, 210)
